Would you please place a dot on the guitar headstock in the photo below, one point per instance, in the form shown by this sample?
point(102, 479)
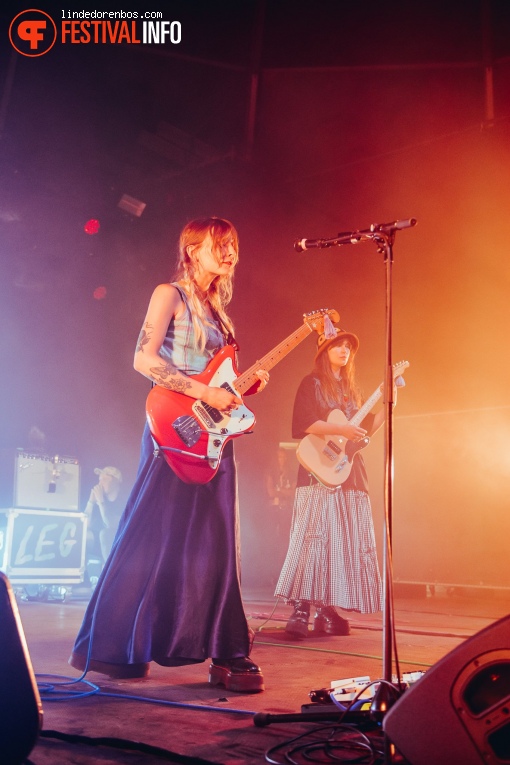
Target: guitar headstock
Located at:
point(399, 368)
point(315, 319)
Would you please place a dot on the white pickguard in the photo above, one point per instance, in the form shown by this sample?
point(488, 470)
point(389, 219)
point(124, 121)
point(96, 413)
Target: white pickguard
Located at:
point(238, 421)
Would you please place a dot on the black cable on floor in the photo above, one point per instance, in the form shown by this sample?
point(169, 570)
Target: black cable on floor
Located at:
point(338, 743)
point(126, 744)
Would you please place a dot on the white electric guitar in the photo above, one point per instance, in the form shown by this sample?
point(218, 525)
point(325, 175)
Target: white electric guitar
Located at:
point(329, 458)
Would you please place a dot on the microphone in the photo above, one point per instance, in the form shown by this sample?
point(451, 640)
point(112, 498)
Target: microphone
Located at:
point(52, 486)
point(354, 237)
point(395, 225)
point(345, 237)
point(306, 244)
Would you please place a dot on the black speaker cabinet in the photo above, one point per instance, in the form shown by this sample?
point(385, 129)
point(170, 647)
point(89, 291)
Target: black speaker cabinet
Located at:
point(458, 713)
point(39, 481)
point(20, 706)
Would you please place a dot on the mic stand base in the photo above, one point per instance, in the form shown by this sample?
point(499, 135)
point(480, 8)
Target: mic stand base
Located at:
point(261, 719)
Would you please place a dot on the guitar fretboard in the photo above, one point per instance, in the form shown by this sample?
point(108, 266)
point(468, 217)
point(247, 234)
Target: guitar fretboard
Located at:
point(367, 406)
point(245, 381)
point(360, 415)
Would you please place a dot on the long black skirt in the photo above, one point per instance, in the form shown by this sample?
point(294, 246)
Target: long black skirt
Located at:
point(170, 589)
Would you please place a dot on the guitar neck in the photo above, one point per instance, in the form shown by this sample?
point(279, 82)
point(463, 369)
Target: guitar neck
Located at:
point(398, 369)
point(367, 406)
point(245, 381)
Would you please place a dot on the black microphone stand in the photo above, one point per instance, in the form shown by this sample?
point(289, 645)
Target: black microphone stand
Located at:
point(383, 234)
point(384, 241)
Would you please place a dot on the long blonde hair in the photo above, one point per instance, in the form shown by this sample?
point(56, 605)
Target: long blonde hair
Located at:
point(220, 290)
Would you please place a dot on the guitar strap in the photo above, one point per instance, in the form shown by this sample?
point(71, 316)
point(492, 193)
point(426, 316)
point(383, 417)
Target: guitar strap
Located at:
point(229, 337)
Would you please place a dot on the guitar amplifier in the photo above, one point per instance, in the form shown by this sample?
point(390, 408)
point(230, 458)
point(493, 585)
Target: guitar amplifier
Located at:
point(39, 481)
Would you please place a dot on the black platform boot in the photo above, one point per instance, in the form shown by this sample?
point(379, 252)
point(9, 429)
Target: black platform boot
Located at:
point(297, 626)
point(328, 622)
point(241, 675)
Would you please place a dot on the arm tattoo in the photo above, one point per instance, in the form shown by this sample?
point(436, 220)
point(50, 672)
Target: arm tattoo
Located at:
point(167, 370)
point(144, 337)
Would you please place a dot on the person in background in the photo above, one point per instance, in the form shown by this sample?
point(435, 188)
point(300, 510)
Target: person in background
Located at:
point(280, 484)
point(331, 560)
point(103, 510)
point(280, 481)
point(170, 589)
point(36, 440)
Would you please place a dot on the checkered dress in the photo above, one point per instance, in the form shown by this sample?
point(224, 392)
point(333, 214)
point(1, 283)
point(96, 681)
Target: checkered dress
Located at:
point(332, 557)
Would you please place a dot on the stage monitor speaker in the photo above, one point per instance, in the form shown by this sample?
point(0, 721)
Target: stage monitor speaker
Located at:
point(20, 705)
point(458, 713)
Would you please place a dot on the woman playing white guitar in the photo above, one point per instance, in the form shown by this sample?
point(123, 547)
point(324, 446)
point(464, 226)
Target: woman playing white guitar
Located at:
point(169, 591)
point(331, 560)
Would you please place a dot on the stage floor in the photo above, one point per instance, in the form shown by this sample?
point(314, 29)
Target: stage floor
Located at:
point(175, 709)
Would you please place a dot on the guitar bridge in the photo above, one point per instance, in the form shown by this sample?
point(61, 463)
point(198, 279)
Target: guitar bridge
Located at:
point(188, 429)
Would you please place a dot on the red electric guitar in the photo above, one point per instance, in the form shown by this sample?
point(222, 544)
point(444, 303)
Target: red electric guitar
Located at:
point(190, 433)
point(329, 458)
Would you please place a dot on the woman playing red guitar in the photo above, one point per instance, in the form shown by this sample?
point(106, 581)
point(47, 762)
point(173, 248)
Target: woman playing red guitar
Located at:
point(169, 591)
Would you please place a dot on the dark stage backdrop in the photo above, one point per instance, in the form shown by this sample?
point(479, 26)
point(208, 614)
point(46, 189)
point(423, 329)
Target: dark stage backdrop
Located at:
point(383, 117)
